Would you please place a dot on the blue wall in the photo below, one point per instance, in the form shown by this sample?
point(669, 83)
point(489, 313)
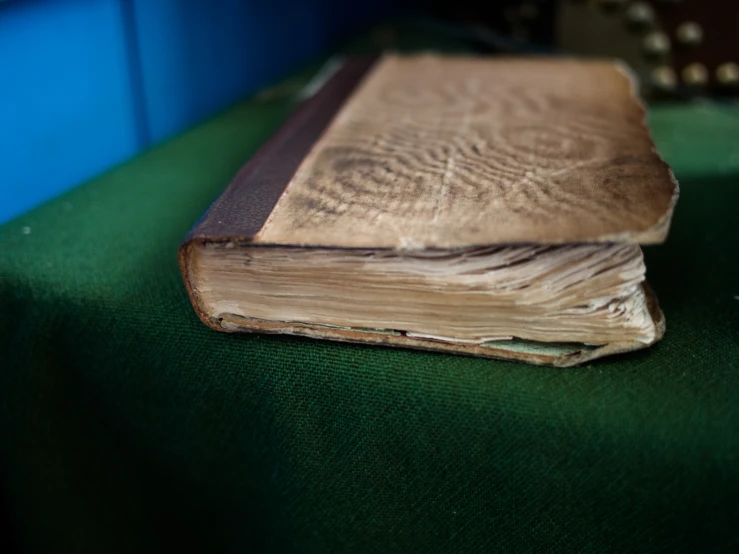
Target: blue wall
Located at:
point(66, 110)
point(86, 84)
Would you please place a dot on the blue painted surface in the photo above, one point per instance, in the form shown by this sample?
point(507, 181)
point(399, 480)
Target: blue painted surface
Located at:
point(86, 84)
point(65, 102)
point(206, 67)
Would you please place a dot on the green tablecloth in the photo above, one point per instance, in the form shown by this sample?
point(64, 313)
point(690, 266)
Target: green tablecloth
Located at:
point(128, 426)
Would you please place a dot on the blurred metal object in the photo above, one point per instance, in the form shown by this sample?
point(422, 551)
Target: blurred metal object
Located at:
point(649, 35)
point(705, 33)
point(692, 37)
point(727, 74)
point(583, 28)
point(640, 15)
point(689, 33)
point(664, 78)
point(657, 44)
point(695, 75)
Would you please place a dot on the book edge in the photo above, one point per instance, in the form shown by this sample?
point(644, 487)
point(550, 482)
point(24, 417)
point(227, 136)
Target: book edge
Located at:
point(231, 323)
point(657, 234)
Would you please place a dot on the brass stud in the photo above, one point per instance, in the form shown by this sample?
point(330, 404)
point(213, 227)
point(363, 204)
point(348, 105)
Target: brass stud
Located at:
point(728, 74)
point(664, 78)
point(695, 75)
point(689, 33)
point(640, 14)
point(656, 44)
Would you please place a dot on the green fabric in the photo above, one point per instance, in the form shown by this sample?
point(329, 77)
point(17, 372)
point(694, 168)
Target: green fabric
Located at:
point(126, 425)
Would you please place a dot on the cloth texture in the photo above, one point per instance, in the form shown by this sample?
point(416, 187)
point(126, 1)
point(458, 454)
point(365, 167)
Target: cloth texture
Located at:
point(126, 425)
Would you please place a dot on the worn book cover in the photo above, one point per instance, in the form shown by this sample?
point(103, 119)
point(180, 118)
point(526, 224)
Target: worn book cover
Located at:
point(484, 206)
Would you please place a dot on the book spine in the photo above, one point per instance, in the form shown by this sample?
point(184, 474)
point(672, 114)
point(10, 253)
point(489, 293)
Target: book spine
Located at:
point(242, 209)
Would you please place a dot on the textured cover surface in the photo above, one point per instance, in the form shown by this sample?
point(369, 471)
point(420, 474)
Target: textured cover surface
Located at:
point(443, 152)
point(126, 425)
point(447, 152)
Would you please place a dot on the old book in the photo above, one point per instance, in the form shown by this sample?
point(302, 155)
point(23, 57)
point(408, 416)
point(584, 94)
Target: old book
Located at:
point(485, 206)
